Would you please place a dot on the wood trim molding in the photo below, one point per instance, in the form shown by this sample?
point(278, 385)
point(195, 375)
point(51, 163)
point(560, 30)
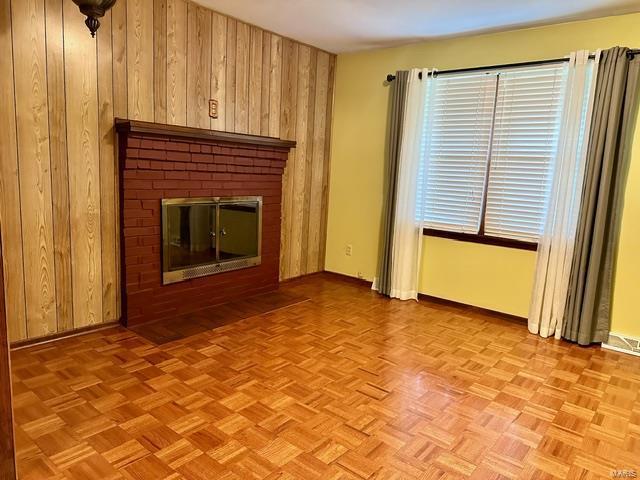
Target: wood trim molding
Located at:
point(30, 342)
point(7, 445)
point(430, 299)
point(347, 278)
point(304, 276)
point(471, 308)
point(481, 238)
point(151, 128)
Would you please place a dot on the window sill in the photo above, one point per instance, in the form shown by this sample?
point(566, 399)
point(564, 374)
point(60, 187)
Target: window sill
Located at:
point(483, 239)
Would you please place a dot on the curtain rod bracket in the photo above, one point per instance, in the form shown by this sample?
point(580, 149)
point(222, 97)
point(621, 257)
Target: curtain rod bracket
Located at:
point(391, 77)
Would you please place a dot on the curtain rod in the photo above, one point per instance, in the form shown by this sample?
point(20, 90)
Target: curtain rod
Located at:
point(391, 77)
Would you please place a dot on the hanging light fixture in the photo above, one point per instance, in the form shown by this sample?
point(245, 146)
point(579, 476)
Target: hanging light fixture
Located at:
point(94, 9)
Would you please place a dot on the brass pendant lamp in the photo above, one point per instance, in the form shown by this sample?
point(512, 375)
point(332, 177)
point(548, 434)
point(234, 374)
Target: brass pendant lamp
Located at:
point(94, 9)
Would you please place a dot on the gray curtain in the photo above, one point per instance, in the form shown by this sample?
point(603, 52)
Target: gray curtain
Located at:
point(588, 308)
point(396, 113)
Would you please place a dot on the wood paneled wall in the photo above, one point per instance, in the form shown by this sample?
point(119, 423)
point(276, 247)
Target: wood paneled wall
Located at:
point(155, 60)
point(7, 446)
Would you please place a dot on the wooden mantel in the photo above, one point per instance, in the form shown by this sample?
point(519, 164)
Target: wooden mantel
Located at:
point(151, 128)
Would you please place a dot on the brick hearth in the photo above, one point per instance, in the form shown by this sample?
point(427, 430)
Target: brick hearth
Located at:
point(158, 161)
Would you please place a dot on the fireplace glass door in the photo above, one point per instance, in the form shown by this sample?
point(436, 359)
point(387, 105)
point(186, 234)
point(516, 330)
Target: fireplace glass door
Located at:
point(192, 235)
point(238, 230)
point(203, 236)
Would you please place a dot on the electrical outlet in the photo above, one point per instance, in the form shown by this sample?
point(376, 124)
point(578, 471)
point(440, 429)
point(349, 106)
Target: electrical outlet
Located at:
point(348, 250)
point(213, 108)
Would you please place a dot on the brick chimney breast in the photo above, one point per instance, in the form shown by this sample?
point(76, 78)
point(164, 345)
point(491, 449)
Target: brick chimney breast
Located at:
point(162, 161)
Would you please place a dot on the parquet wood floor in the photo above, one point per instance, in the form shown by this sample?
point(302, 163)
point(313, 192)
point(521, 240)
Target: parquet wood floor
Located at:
point(347, 385)
point(165, 331)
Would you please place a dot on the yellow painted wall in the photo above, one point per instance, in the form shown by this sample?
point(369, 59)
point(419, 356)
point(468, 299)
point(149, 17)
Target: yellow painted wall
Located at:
point(486, 276)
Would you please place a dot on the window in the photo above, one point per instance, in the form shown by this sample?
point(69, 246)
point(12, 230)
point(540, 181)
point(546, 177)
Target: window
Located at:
point(490, 143)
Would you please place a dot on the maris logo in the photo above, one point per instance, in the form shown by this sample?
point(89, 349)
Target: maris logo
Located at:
point(624, 474)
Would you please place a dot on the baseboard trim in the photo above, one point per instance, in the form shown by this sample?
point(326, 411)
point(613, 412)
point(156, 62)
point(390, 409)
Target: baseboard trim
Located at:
point(472, 308)
point(347, 278)
point(438, 300)
point(622, 343)
point(300, 277)
point(336, 275)
point(31, 342)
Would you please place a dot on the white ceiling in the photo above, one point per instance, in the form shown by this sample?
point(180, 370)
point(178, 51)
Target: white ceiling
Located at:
point(350, 25)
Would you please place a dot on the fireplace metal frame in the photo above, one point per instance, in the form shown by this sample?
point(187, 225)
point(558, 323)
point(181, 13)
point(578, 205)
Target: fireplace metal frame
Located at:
point(219, 266)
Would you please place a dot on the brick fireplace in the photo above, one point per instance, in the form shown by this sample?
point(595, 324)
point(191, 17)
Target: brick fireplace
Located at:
point(163, 162)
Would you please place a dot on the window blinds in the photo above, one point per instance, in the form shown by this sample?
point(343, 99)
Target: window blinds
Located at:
point(524, 147)
point(490, 142)
point(457, 132)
